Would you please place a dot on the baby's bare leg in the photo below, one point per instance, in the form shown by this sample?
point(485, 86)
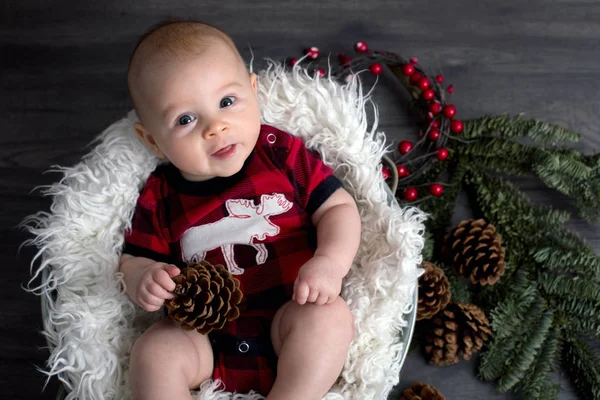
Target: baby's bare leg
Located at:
point(166, 362)
point(312, 343)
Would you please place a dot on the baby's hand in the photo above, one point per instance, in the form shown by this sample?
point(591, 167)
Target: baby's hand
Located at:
point(154, 286)
point(319, 281)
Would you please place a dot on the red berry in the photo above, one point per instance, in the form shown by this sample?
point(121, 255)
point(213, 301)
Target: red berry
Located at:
point(312, 52)
point(434, 134)
point(436, 189)
point(405, 146)
point(414, 78)
point(435, 107)
point(410, 194)
point(293, 61)
point(402, 171)
point(439, 78)
point(456, 126)
point(436, 124)
point(423, 83)
point(385, 172)
point(414, 60)
point(449, 111)
point(408, 69)
point(442, 154)
point(321, 72)
point(450, 89)
point(361, 47)
point(429, 94)
point(376, 69)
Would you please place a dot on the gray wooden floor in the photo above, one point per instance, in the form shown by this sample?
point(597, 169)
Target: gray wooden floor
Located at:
point(62, 77)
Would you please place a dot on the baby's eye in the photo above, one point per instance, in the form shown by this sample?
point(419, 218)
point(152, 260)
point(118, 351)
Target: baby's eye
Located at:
point(186, 119)
point(227, 101)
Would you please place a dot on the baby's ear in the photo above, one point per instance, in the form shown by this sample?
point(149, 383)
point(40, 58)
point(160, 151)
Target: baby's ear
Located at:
point(148, 139)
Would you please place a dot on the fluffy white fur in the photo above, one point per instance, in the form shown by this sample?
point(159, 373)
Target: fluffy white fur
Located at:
point(90, 324)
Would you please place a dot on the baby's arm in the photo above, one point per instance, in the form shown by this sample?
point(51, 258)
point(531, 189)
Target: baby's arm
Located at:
point(338, 237)
point(147, 283)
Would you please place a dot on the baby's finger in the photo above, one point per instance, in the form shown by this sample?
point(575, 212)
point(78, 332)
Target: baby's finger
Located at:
point(312, 297)
point(331, 299)
point(322, 299)
point(149, 302)
point(160, 292)
point(172, 270)
point(301, 293)
point(148, 298)
point(162, 277)
point(149, 307)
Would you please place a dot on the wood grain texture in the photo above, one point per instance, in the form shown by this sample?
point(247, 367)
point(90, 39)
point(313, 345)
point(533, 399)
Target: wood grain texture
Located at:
point(62, 81)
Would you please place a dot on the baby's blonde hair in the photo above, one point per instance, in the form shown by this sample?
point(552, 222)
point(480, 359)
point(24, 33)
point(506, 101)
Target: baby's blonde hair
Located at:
point(173, 39)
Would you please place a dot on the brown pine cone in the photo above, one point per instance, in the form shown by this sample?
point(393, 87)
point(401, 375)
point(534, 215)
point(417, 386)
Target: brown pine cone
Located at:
point(420, 391)
point(475, 251)
point(460, 328)
point(207, 297)
point(434, 291)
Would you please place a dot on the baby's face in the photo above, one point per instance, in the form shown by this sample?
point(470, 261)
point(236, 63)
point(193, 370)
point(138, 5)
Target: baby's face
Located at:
point(201, 111)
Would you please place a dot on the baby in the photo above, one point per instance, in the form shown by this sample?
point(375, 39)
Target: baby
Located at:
point(241, 194)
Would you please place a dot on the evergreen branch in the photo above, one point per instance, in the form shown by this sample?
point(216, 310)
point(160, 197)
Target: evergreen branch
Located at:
point(495, 359)
point(588, 204)
point(500, 201)
point(527, 352)
point(567, 162)
point(566, 286)
point(502, 164)
point(574, 308)
point(566, 171)
point(537, 384)
point(505, 126)
point(581, 327)
point(552, 231)
point(497, 147)
point(509, 315)
point(583, 366)
point(582, 263)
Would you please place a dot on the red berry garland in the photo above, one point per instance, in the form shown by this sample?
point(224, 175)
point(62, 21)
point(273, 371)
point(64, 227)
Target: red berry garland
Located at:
point(436, 116)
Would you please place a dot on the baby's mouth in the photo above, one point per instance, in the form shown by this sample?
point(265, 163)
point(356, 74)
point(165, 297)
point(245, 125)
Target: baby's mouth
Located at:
point(225, 152)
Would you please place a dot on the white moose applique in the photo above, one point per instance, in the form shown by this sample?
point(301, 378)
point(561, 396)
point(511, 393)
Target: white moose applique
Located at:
point(245, 224)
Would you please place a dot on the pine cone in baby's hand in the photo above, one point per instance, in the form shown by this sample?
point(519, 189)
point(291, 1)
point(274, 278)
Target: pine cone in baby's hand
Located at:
point(207, 297)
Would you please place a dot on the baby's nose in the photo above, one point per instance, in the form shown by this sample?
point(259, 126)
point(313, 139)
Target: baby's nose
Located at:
point(214, 129)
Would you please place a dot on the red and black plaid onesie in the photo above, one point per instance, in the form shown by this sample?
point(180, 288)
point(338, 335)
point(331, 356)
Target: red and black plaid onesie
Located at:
point(257, 223)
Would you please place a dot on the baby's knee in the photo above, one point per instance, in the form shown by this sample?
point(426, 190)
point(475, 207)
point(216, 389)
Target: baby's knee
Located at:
point(341, 320)
point(166, 347)
point(334, 320)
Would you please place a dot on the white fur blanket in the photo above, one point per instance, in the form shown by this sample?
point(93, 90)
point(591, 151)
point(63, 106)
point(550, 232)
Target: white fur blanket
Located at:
point(90, 324)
